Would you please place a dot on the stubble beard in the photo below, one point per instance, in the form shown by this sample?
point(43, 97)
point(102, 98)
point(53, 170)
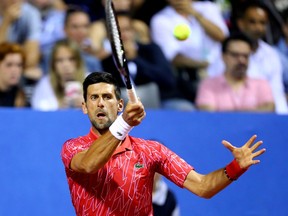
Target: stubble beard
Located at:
point(102, 126)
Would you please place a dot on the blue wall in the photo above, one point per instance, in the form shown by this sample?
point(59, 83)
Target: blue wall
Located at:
point(33, 181)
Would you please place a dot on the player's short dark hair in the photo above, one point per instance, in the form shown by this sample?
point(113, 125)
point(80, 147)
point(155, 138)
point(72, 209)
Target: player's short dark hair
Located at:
point(236, 37)
point(100, 77)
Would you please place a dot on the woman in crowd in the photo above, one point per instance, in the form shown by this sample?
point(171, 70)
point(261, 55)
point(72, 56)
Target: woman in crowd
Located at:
point(12, 60)
point(61, 88)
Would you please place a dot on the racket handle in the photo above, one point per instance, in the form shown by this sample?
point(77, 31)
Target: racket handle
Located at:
point(131, 93)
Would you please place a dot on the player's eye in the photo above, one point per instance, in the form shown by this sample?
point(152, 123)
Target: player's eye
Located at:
point(107, 96)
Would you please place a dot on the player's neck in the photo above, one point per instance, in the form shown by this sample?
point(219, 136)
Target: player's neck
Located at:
point(99, 132)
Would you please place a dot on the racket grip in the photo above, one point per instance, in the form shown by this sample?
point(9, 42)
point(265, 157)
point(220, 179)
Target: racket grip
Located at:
point(131, 93)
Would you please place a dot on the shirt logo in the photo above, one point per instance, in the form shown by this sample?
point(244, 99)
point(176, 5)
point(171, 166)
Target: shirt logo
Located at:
point(139, 166)
point(120, 134)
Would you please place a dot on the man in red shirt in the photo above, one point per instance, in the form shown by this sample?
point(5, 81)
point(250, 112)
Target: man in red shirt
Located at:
point(111, 173)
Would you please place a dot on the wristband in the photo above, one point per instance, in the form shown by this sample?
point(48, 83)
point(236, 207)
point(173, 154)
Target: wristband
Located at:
point(120, 128)
point(233, 171)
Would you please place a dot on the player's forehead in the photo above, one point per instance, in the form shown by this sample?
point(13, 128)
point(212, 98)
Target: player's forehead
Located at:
point(101, 88)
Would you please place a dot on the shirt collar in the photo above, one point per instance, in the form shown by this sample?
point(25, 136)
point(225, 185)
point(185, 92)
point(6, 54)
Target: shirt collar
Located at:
point(92, 135)
point(124, 146)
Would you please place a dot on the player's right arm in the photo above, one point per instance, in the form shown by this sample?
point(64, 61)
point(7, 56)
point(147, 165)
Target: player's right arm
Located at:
point(98, 154)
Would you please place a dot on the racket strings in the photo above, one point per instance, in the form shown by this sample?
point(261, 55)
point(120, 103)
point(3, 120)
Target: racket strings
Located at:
point(116, 36)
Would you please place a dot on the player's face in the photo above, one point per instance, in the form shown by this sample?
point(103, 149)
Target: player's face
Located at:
point(102, 105)
point(236, 59)
point(254, 23)
point(65, 63)
point(11, 69)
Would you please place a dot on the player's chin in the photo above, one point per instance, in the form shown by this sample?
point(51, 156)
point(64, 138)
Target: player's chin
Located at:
point(101, 124)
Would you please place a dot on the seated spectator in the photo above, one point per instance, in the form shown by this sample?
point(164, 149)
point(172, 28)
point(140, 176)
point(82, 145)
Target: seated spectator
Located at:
point(264, 61)
point(163, 199)
point(93, 8)
point(234, 90)
point(282, 44)
point(98, 28)
point(61, 88)
point(147, 64)
point(20, 23)
point(77, 28)
point(145, 9)
point(273, 31)
point(198, 53)
point(282, 47)
point(12, 60)
point(52, 23)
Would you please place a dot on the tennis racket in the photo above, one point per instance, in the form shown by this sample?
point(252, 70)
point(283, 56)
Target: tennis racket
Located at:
point(118, 51)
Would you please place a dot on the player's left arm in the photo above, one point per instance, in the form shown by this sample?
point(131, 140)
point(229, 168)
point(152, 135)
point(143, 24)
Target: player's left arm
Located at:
point(207, 186)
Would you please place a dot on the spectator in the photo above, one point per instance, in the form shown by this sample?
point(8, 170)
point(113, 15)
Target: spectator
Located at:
point(94, 8)
point(198, 52)
point(282, 44)
point(145, 9)
point(98, 29)
point(141, 29)
point(61, 88)
point(52, 23)
point(234, 90)
point(12, 60)
point(282, 47)
point(147, 64)
point(20, 22)
point(264, 61)
point(163, 199)
point(77, 28)
point(273, 29)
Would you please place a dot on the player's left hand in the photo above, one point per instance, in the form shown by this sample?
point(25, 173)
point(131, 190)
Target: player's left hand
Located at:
point(134, 113)
point(245, 155)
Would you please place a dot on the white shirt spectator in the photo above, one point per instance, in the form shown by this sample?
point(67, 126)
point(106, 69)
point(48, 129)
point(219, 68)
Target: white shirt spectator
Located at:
point(265, 63)
point(199, 45)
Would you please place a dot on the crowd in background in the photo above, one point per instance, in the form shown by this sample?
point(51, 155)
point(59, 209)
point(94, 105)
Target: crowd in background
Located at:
point(235, 58)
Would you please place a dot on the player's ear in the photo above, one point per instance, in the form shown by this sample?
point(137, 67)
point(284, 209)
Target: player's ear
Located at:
point(84, 108)
point(120, 105)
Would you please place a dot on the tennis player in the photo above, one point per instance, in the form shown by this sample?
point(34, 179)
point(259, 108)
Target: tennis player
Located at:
point(111, 173)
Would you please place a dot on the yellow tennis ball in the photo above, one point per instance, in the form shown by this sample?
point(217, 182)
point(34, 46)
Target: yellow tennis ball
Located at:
point(181, 32)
